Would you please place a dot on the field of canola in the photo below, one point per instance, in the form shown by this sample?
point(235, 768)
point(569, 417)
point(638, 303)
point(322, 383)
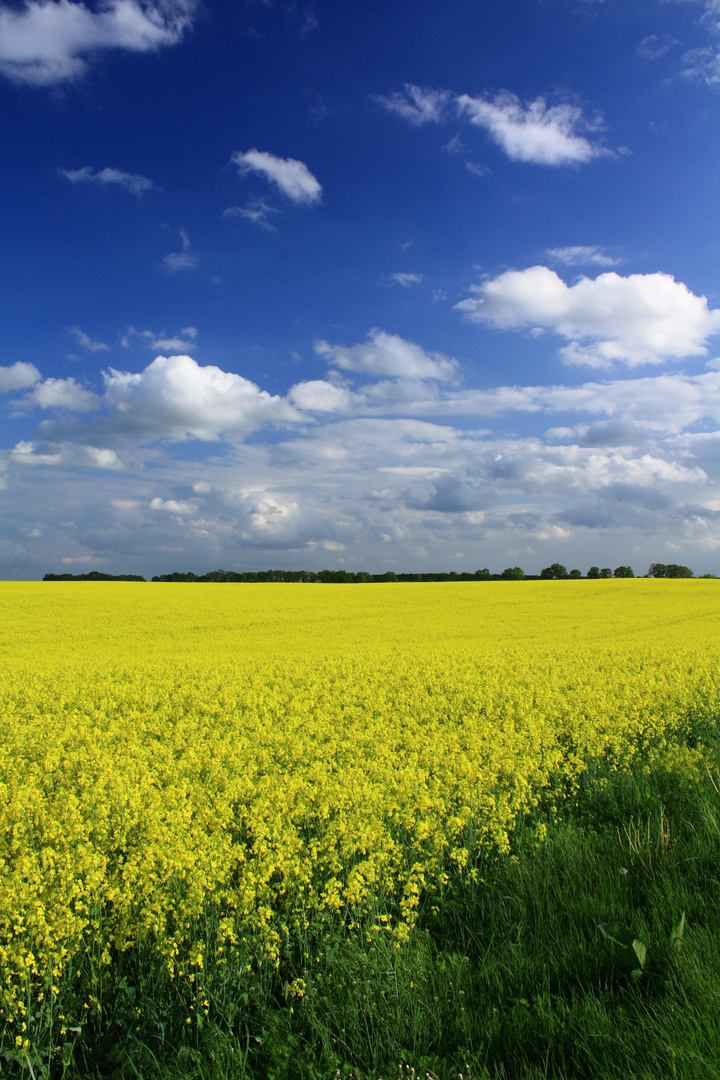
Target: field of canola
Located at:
point(193, 775)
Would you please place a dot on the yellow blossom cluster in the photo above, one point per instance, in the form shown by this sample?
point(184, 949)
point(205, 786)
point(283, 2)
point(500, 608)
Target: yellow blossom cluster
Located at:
point(259, 758)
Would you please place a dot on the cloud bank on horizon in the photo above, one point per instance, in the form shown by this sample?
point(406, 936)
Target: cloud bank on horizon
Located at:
point(420, 321)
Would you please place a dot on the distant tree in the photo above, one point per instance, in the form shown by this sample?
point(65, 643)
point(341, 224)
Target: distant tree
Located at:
point(674, 570)
point(623, 571)
point(389, 575)
point(574, 574)
point(606, 572)
point(658, 569)
point(513, 573)
point(555, 570)
point(594, 572)
point(482, 575)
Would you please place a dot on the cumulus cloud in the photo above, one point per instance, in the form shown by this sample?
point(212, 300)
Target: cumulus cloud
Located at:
point(173, 506)
point(30, 453)
point(388, 354)
point(531, 131)
point(132, 182)
point(174, 397)
point(321, 396)
point(454, 494)
point(363, 473)
point(643, 318)
point(291, 177)
point(18, 377)
point(44, 42)
point(62, 394)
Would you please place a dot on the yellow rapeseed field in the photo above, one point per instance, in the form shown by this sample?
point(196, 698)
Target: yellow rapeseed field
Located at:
point(190, 775)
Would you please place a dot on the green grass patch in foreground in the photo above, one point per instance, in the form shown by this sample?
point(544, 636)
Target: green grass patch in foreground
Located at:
point(570, 960)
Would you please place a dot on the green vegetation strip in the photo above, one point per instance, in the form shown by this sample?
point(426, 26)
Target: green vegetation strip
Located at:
point(594, 955)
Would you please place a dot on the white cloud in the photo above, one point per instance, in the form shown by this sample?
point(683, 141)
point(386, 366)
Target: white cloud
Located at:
point(419, 105)
point(703, 64)
point(291, 177)
point(388, 354)
point(62, 394)
point(172, 344)
point(87, 343)
point(48, 41)
point(406, 280)
point(475, 169)
point(364, 472)
point(173, 506)
point(643, 318)
point(256, 212)
point(135, 184)
point(533, 132)
point(653, 46)
point(182, 342)
point(18, 377)
point(29, 453)
point(180, 260)
point(582, 255)
point(320, 396)
point(174, 397)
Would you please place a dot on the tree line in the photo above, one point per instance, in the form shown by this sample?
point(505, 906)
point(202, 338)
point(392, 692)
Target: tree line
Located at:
point(554, 572)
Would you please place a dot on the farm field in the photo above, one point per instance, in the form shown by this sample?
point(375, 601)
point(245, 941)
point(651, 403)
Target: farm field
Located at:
point(278, 830)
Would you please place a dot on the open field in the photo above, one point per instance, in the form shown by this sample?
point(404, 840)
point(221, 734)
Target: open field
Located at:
point(271, 830)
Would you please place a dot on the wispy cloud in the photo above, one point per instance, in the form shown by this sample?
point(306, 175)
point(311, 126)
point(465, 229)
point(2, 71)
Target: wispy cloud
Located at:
point(181, 260)
point(291, 177)
point(256, 212)
point(654, 46)
point(87, 342)
point(582, 255)
point(703, 64)
point(182, 342)
point(44, 42)
point(406, 280)
point(132, 182)
point(533, 131)
point(418, 104)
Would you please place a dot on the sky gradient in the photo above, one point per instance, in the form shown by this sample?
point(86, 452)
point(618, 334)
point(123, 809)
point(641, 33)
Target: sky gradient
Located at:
point(373, 285)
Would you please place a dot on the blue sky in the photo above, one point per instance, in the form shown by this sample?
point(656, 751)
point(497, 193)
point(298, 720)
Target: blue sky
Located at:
point(378, 285)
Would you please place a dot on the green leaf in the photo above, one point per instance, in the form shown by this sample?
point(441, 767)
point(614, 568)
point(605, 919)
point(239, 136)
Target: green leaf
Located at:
point(634, 950)
point(618, 933)
point(676, 936)
point(640, 951)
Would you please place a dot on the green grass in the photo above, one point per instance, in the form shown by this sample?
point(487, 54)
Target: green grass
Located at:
point(509, 976)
